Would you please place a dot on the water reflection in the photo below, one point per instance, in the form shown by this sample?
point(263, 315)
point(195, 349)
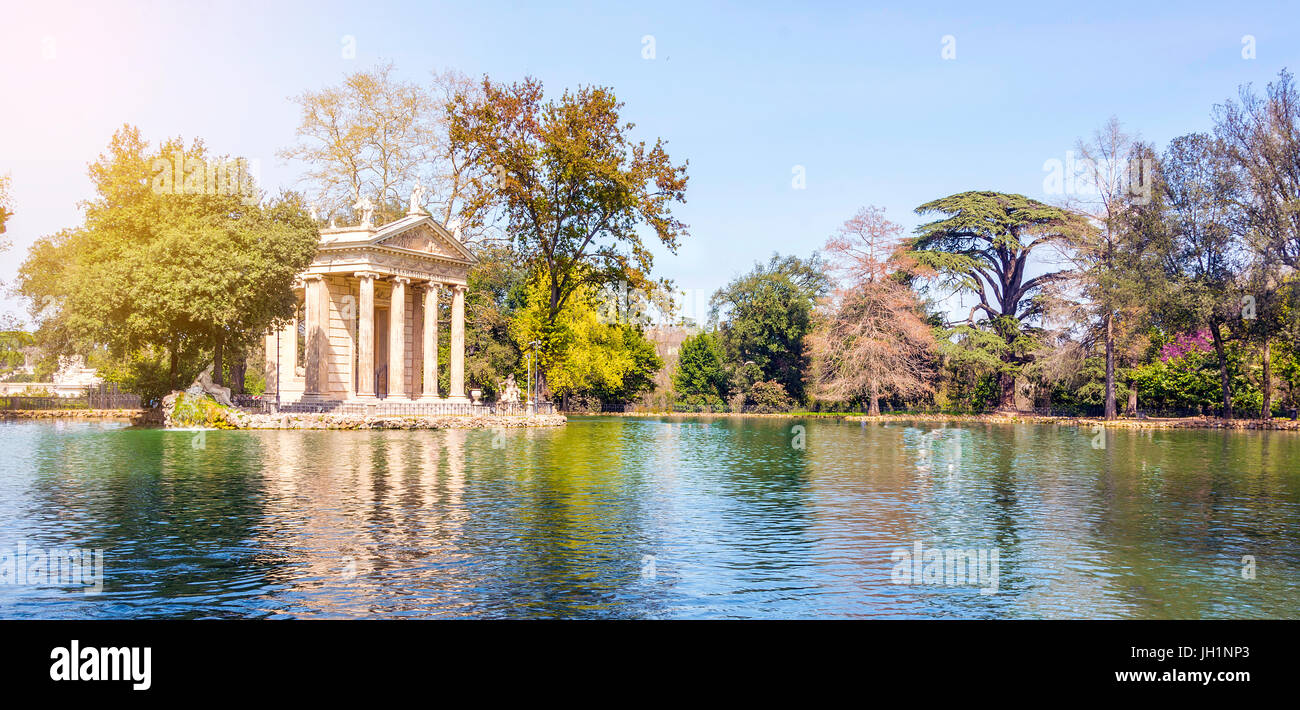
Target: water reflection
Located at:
point(736, 518)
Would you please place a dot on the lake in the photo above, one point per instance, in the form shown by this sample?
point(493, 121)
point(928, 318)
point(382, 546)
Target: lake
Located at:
point(614, 517)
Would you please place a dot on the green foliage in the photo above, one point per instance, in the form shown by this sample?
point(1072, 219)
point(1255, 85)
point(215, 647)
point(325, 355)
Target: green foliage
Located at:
point(579, 353)
point(200, 411)
point(146, 371)
point(701, 377)
point(12, 344)
point(764, 317)
point(981, 245)
point(167, 259)
point(1192, 381)
point(767, 397)
point(972, 360)
point(497, 289)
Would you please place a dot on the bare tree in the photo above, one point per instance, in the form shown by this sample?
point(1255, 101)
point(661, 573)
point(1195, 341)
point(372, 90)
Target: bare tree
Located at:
point(1118, 173)
point(377, 136)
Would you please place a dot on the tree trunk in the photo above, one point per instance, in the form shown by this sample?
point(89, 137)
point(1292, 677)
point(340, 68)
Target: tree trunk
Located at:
point(1007, 398)
point(1266, 410)
point(1132, 409)
point(874, 409)
point(539, 385)
point(218, 367)
point(238, 371)
point(1110, 366)
point(1223, 370)
point(173, 364)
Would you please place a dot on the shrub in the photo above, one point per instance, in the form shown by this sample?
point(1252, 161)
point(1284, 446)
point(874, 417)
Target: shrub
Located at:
point(768, 396)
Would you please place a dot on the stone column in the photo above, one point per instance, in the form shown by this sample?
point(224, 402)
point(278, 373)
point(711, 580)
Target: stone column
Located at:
point(397, 339)
point(316, 344)
point(366, 336)
point(430, 389)
point(457, 343)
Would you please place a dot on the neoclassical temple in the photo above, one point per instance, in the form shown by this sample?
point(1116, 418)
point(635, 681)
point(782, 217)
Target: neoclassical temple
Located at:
point(368, 318)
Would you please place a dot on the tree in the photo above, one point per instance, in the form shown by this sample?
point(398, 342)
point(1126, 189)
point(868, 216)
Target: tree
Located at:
point(573, 186)
point(1204, 258)
point(169, 260)
point(497, 290)
point(763, 318)
point(1260, 140)
point(5, 206)
point(1119, 176)
point(869, 336)
point(982, 246)
point(368, 136)
point(376, 136)
point(701, 377)
point(588, 356)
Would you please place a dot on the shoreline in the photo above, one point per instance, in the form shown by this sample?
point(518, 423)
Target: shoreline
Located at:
point(153, 418)
point(352, 422)
point(1276, 424)
point(88, 414)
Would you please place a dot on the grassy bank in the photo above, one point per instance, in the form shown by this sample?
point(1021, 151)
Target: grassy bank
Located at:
point(994, 418)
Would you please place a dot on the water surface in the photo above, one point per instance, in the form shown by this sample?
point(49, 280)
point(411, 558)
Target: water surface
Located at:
point(613, 517)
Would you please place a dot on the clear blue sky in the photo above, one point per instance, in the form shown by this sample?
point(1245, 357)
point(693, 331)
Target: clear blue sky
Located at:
point(858, 94)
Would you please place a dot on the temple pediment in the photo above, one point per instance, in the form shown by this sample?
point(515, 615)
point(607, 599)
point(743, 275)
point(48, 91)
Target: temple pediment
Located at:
point(416, 233)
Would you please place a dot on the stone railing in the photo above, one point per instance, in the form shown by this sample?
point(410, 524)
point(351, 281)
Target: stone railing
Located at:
point(384, 408)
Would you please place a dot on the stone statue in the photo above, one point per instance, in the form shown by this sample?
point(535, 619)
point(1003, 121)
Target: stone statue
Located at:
point(205, 385)
point(417, 196)
point(454, 227)
point(367, 209)
point(509, 390)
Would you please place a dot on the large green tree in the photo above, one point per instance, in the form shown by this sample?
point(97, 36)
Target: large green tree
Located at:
point(763, 318)
point(982, 245)
point(178, 254)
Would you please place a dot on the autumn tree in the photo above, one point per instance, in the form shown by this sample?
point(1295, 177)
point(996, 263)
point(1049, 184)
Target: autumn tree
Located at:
point(981, 245)
point(869, 337)
point(575, 189)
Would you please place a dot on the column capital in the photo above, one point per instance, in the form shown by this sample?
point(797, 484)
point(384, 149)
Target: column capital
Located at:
point(368, 275)
point(459, 288)
point(402, 280)
point(312, 277)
